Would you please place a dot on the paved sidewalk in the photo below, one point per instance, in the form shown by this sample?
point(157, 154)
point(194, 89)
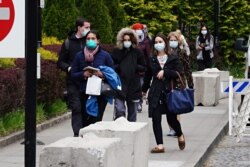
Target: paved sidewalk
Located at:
point(202, 128)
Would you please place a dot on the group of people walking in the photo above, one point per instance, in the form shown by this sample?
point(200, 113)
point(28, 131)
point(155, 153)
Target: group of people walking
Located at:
point(144, 65)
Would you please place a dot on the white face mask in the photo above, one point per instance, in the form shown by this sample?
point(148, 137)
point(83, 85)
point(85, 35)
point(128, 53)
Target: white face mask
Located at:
point(140, 35)
point(159, 46)
point(84, 32)
point(173, 44)
point(204, 32)
point(127, 44)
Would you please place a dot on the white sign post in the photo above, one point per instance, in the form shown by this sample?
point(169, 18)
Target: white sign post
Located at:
point(12, 28)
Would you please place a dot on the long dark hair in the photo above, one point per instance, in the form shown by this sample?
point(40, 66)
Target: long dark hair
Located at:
point(155, 52)
point(207, 36)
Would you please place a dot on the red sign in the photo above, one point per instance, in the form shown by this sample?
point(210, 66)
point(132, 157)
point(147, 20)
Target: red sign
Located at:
point(7, 16)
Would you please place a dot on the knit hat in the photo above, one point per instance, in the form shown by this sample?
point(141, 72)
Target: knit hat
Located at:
point(137, 26)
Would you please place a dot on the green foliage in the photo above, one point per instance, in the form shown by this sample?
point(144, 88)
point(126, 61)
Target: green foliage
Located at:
point(234, 23)
point(117, 15)
point(7, 62)
point(47, 55)
point(59, 18)
point(97, 13)
point(157, 15)
point(40, 113)
point(12, 122)
point(57, 108)
point(50, 40)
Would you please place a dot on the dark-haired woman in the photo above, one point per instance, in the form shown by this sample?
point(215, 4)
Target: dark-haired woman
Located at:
point(204, 47)
point(162, 69)
point(92, 55)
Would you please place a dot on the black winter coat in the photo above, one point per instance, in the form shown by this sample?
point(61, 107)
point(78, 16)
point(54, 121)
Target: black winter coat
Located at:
point(158, 88)
point(128, 63)
point(67, 55)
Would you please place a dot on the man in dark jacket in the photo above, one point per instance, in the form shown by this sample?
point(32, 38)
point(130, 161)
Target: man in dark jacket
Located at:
point(73, 44)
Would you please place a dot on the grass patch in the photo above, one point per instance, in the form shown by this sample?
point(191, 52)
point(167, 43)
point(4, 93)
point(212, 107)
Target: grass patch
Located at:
point(14, 121)
point(57, 108)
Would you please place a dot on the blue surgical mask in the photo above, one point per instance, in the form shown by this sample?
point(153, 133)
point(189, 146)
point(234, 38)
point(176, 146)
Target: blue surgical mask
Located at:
point(127, 44)
point(173, 44)
point(204, 32)
point(91, 44)
point(159, 46)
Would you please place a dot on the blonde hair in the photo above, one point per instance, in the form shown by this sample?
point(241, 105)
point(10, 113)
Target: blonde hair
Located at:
point(177, 36)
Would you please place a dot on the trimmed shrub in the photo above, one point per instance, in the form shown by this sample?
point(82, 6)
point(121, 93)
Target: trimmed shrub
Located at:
point(97, 13)
point(51, 85)
point(11, 89)
point(47, 55)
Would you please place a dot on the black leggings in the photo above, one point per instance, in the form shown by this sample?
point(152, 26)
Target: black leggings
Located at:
point(171, 118)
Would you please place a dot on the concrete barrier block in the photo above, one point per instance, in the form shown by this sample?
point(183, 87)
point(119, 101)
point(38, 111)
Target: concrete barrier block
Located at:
point(134, 136)
point(89, 151)
point(224, 76)
point(207, 89)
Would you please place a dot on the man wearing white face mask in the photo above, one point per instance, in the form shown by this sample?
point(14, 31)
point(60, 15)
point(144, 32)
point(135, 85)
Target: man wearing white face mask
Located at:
point(129, 62)
point(204, 46)
point(73, 44)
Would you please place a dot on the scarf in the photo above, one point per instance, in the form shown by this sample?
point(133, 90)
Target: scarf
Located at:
point(89, 54)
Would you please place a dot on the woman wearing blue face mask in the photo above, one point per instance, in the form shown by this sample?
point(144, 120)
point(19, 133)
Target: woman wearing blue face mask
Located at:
point(161, 70)
point(129, 62)
point(204, 46)
point(91, 55)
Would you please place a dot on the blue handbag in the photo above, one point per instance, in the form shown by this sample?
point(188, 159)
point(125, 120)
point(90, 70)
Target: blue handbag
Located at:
point(180, 101)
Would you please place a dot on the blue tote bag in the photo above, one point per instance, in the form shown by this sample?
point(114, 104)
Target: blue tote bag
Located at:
point(180, 101)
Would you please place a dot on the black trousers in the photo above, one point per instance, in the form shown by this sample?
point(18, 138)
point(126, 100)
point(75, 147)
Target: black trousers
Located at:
point(171, 118)
point(74, 103)
point(202, 64)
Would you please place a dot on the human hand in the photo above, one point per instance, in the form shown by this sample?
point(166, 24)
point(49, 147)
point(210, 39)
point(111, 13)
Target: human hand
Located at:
point(99, 74)
point(160, 74)
point(87, 73)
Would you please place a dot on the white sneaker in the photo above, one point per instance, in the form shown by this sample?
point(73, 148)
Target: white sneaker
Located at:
point(171, 133)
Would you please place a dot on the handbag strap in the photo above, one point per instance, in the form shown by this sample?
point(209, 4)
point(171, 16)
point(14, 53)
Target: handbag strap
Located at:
point(179, 76)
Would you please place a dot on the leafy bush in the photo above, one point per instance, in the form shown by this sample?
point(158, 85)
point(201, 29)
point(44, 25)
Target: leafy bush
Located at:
point(47, 55)
point(51, 85)
point(7, 62)
point(11, 89)
point(53, 48)
point(12, 122)
point(40, 113)
point(50, 40)
point(57, 108)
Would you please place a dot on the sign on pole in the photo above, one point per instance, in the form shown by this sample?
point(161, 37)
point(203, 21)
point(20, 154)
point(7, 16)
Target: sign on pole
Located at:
point(12, 29)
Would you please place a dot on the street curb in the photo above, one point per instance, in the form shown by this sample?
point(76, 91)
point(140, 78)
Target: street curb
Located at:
point(215, 142)
point(4, 141)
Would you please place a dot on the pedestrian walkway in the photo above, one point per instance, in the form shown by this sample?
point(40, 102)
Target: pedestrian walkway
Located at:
point(203, 128)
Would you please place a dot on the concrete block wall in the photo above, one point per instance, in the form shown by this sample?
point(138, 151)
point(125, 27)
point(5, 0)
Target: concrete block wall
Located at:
point(134, 139)
point(86, 151)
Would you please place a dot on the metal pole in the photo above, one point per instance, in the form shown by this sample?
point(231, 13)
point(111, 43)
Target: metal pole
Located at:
point(216, 22)
point(30, 90)
point(230, 105)
point(39, 26)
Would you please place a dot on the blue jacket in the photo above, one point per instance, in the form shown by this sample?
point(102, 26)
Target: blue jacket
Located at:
point(101, 58)
point(113, 80)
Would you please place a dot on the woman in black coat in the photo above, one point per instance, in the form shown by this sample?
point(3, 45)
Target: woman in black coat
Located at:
point(161, 70)
point(129, 62)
